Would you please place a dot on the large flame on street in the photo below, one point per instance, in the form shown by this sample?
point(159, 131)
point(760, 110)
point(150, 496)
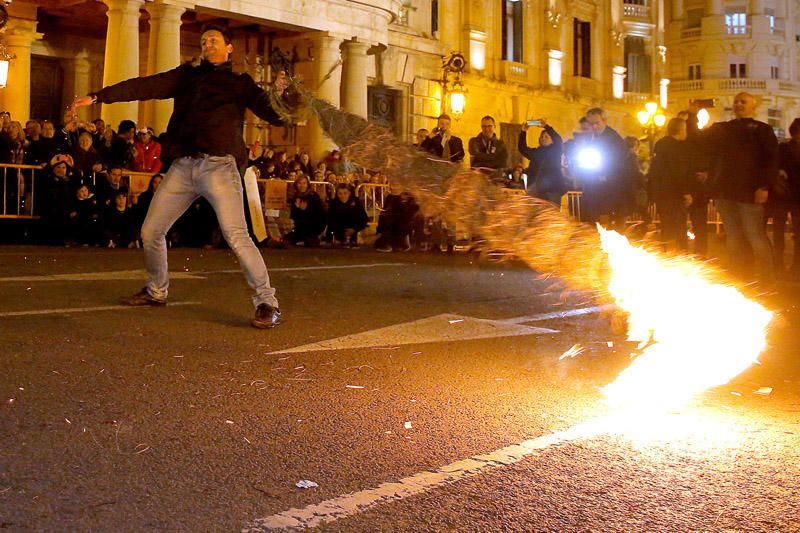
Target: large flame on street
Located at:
point(695, 332)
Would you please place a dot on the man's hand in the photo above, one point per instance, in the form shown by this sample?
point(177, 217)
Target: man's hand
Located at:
point(281, 83)
point(543, 122)
point(300, 204)
point(81, 101)
point(687, 200)
point(702, 177)
point(525, 126)
point(761, 195)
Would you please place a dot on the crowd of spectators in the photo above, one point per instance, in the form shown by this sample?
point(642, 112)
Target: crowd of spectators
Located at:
point(82, 194)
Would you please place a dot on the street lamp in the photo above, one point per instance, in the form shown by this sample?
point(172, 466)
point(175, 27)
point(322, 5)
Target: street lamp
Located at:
point(652, 119)
point(454, 91)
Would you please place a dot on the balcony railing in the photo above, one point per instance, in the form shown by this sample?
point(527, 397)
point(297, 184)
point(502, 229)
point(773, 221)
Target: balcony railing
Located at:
point(691, 33)
point(636, 98)
point(636, 10)
point(733, 84)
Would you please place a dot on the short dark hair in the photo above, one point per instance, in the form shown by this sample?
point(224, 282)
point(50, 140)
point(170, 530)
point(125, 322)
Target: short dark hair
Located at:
point(675, 125)
point(444, 115)
point(122, 191)
point(125, 126)
point(583, 120)
point(488, 117)
point(794, 127)
point(212, 26)
point(596, 111)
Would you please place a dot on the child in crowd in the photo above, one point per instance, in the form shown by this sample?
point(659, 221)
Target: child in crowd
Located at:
point(346, 216)
point(83, 224)
point(119, 223)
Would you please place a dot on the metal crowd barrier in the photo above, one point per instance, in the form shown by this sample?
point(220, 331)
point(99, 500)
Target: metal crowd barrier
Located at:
point(19, 191)
point(373, 195)
point(324, 189)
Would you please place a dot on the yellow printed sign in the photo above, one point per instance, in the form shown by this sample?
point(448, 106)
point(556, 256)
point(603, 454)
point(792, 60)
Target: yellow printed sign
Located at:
point(275, 194)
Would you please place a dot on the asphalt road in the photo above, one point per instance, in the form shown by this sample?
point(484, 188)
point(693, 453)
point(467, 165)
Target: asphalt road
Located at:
point(185, 418)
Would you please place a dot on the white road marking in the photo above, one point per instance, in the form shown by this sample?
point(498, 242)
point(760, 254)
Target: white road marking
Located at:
point(557, 314)
point(119, 275)
point(71, 310)
point(115, 275)
point(361, 501)
point(439, 328)
point(316, 267)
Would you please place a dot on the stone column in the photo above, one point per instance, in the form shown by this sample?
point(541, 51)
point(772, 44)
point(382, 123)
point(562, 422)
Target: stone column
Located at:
point(121, 56)
point(163, 53)
point(354, 76)
point(326, 54)
point(82, 84)
point(18, 38)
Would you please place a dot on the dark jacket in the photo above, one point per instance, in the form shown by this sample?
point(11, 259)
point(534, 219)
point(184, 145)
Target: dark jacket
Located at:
point(487, 154)
point(670, 174)
point(308, 222)
point(789, 156)
point(342, 216)
point(544, 170)
point(210, 103)
point(434, 146)
point(744, 158)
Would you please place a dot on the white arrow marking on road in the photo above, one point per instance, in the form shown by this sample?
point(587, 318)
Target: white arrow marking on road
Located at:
point(439, 328)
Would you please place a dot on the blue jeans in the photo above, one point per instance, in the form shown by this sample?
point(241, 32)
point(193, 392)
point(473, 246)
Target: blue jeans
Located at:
point(217, 179)
point(744, 225)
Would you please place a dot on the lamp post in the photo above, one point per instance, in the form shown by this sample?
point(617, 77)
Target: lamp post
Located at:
point(652, 119)
point(453, 91)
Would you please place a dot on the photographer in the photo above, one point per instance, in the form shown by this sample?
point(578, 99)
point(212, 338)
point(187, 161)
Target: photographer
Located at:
point(601, 163)
point(546, 180)
point(442, 144)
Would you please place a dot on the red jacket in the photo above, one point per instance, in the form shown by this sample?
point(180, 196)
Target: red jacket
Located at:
point(148, 157)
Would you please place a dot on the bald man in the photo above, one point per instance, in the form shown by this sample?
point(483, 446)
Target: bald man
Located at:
point(744, 163)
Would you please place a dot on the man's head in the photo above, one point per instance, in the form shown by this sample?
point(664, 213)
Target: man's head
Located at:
point(794, 129)
point(100, 125)
point(676, 128)
point(421, 135)
point(487, 126)
point(683, 115)
point(584, 126)
point(127, 130)
point(343, 192)
point(33, 128)
point(744, 105)
point(60, 169)
point(443, 123)
point(114, 176)
point(215, 44)
point(597, 120)
point(48, 129)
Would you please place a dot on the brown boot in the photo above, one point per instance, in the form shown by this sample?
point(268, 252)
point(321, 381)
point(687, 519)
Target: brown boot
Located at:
point(142, 298)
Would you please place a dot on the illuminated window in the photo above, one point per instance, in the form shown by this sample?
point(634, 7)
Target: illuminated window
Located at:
point(581, 49)
point(736, 21)
point(512, 30)
point(554, 67)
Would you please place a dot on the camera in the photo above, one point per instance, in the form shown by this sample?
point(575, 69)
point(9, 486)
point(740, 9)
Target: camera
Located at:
point(535, 122)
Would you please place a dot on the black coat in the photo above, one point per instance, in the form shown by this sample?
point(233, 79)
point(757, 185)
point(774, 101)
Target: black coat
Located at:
point(544, 170)
point(670, 175)
point(350, 215)
point(210, 102)
point(491, 154)
point(744, 158)
point(434, 146)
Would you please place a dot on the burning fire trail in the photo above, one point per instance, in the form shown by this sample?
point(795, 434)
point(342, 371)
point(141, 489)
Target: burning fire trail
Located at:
point(696, 332)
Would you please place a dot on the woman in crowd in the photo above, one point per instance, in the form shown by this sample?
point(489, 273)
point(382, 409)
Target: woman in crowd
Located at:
point(305, 164)
point(545, 179)
point(346, 216)
point(86, 158)
point(148, 152)
point(516, 181)
point(83, 224)
point(307, 213)
point(144, 200)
